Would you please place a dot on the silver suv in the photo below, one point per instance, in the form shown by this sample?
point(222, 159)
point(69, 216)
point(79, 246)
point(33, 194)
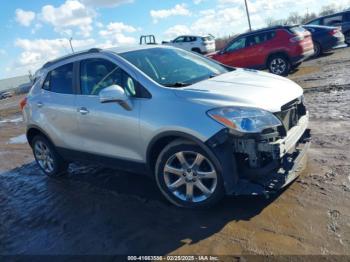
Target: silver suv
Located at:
point(200, 128)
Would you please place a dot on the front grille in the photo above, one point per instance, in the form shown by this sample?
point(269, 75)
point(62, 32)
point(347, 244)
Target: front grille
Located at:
point(291, 113)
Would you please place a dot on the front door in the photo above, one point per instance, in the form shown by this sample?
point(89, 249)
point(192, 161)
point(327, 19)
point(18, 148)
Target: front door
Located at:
point(107, 129)
point(234, 55)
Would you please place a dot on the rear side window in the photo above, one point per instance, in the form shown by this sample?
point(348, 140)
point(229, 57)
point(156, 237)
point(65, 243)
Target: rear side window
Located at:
point(60, 80)
point(260, 38)
point(333, 20)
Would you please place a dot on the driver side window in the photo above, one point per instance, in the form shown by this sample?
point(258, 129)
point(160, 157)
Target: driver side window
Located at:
point(97, 74)
point(180, 39)
point(236, 45)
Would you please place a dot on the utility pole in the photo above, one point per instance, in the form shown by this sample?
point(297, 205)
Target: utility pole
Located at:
point(246, 8)
point(70, 43)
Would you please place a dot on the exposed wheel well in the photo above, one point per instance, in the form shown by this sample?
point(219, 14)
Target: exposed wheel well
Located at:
point(159, 145)
point(33, 132)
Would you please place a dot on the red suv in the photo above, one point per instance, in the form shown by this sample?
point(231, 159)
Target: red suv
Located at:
point(277, 48)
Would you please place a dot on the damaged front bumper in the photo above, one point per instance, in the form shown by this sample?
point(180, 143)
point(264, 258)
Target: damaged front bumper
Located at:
point(266, 165)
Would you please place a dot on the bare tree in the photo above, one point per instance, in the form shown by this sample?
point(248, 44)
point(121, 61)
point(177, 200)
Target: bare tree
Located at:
point(294, 18)
point(308, 17)
point(328, 10)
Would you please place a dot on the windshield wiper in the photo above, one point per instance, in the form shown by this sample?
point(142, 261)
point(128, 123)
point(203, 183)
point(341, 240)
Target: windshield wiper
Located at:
point(177, 84)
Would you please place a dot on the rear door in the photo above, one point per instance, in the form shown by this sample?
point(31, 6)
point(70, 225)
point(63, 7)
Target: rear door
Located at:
point(108, 129)
point(190, 43)
point(258, 46)
point(57, 107)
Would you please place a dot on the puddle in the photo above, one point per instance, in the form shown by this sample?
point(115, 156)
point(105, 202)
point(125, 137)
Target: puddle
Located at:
point(21, 139)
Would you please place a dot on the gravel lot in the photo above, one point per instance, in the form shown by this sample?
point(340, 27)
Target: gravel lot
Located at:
point(101, 211)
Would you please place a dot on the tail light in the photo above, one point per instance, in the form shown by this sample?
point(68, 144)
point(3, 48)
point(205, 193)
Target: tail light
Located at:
point(333, 32)
point(23, 103)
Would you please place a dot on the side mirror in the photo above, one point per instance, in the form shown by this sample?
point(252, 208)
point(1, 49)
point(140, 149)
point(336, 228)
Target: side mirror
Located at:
point(115, 93)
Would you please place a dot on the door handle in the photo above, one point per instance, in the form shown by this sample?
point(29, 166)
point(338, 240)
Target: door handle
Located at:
point(40, 104)
point(83, 110)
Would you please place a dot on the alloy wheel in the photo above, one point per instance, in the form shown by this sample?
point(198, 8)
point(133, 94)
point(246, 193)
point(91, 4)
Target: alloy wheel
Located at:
point(44, 156)
point(278, 66)
point(190, 176)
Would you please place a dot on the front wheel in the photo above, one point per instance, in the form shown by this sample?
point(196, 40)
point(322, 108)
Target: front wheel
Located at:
point(187, 176)
point(47, 158)
point(317, 49)
point(279, 65)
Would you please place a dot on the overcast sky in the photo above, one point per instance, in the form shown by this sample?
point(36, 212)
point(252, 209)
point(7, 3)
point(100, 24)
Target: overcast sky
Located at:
point(32, 32)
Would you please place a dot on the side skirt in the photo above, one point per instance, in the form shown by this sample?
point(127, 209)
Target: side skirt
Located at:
point(114, 163)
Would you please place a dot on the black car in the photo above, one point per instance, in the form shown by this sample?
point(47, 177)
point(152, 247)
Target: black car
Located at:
point(341, 20)
point(325, 38)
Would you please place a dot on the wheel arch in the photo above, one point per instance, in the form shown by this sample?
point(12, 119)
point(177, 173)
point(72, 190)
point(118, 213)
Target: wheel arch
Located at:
point(277, 53)
point(33, 131)
point(220, 155)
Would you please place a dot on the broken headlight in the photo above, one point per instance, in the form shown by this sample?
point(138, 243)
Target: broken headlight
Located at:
point(244, 119)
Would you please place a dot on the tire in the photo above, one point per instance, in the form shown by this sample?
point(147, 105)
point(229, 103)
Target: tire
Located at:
point(279, 65)
point(196, 50)
point(204, 179)
point(317, 49)
point(46, 156)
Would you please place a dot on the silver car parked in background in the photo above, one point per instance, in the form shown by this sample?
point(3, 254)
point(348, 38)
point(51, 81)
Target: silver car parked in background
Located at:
point(200, 128)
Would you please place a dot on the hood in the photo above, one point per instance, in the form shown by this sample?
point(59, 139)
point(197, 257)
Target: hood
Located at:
point(243, 87)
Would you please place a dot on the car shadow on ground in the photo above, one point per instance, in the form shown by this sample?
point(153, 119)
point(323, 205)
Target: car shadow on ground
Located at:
point(102, 211)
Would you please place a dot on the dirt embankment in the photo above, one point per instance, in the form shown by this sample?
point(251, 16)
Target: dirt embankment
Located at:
point(101, 211)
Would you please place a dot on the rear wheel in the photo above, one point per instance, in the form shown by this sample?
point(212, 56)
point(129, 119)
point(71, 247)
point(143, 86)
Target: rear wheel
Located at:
point(187, 176)
point(279, 65)
point(47, 158)
point(317, 49)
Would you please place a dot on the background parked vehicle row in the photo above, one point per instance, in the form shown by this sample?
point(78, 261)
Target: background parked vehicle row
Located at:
point(277, 48)
point(325, 38)
point(341, 20)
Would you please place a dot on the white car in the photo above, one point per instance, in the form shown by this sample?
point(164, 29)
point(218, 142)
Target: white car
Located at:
point(199, 44)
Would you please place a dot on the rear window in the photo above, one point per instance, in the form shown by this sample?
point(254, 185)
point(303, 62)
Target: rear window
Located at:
point(297, 30)
point(208, 38)
point(333, 20)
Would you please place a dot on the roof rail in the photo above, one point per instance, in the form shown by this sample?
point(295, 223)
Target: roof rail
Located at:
point(92, 50)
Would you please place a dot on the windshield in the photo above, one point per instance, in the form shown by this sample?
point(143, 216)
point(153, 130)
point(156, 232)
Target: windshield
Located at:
point(174, 67)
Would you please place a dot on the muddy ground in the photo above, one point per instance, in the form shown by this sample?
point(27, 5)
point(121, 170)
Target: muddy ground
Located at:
point(101, 211)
